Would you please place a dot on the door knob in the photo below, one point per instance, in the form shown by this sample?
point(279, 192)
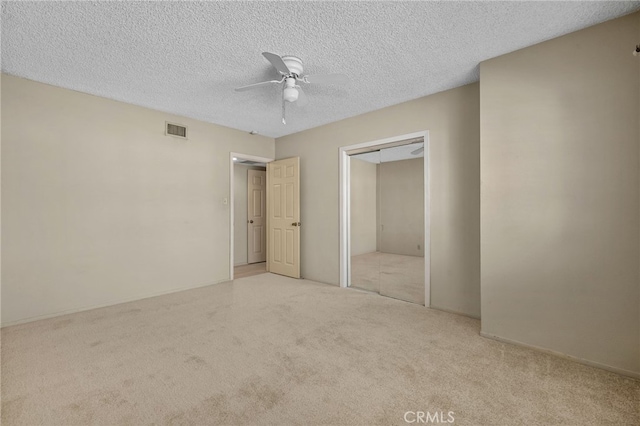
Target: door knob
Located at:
point(294, 224)
point(251, 221)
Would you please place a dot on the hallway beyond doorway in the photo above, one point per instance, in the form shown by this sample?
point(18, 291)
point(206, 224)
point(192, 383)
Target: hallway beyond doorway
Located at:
point(243, 271)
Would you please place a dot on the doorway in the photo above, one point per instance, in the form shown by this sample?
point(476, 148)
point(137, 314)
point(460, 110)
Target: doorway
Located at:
point(247, 237)
point(256, 215)
point(384, 217)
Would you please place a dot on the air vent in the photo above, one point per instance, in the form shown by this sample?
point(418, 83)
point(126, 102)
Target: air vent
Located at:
point(176, 130)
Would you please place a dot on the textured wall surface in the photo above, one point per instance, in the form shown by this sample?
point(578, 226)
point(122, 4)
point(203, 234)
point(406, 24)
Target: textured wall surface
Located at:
point(100, 207)
point(560, 204)
point(186, 57)
point(453, 121)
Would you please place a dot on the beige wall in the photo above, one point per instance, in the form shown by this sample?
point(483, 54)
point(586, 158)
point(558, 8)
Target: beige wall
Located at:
point(560, 195)
point(452, 118)
point(99, 206)
point(363, 207)
point(240, 212)
point(401, 207)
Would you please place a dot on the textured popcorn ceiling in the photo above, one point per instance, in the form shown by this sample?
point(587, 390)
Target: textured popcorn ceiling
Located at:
point(186, 58)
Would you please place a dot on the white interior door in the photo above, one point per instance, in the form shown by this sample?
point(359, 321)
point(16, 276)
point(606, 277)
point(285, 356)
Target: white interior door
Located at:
point(283, 195)
point(256, 216)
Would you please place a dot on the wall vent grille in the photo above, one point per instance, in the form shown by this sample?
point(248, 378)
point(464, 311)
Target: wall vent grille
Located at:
point(176, 130)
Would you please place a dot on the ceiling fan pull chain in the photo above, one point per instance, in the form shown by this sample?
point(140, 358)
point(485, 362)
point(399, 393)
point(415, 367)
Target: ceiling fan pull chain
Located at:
point(283, 109)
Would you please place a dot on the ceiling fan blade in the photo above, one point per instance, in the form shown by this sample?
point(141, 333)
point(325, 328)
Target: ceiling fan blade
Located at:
point(417, 151)
point(277, 62)
point(341, 79)
point(302, 97)
point(253, 86)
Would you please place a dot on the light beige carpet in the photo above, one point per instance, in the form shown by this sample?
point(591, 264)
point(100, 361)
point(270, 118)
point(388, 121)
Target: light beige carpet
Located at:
point(272, 350)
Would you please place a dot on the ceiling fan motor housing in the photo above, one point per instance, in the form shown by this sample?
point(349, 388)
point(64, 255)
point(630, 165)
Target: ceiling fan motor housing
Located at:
point(294, 64)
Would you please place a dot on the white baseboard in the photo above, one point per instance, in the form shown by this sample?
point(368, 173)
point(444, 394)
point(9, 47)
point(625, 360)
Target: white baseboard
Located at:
point(104, 305)
point(621, 371)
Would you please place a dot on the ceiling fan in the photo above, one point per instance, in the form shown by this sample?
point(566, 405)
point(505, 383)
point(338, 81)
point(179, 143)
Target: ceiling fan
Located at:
point(290, 69)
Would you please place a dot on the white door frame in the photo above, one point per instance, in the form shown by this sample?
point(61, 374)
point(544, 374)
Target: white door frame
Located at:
point(345, 207)
point(248, 157)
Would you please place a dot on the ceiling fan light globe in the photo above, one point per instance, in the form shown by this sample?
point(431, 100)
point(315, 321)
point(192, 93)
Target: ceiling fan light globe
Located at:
point(290, 94)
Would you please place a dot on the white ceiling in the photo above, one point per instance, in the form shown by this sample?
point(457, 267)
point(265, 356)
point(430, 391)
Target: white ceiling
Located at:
point(186, 57)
